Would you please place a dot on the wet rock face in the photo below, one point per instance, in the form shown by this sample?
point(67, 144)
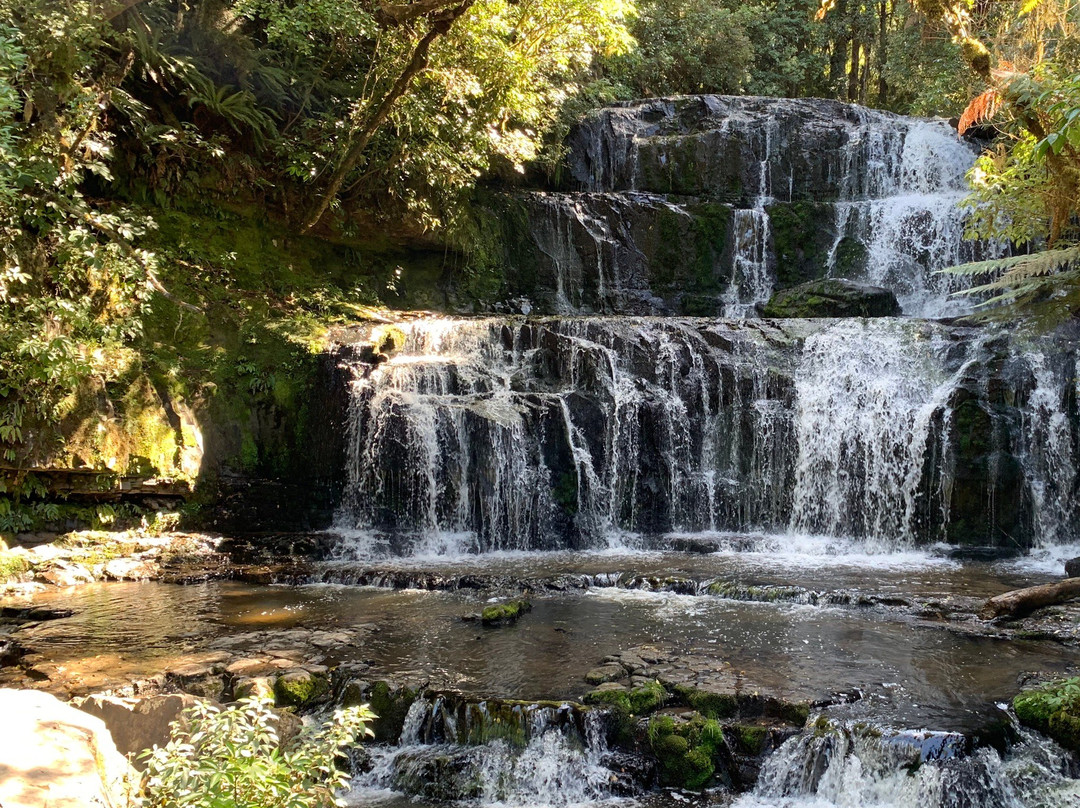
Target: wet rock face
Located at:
point(713, 146)
point(832, 297)
point(706, 205)
point(631, 253)
point(548, 433)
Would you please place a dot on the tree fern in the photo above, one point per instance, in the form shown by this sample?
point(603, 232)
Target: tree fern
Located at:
point(1044, 284)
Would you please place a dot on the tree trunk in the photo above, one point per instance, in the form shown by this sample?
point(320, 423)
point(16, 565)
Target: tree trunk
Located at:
point(1020, 602)
point(362, 138)
point(838, 60)
point(882, 60)
point(853, 71)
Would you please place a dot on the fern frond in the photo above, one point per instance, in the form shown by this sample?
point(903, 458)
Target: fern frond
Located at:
point(1026, 282)
point(982, 108)
point(987, 267)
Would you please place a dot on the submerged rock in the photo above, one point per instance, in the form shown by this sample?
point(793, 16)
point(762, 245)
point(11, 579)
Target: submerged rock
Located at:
point(502, 613)
point(832, 297)
point(702, 545)
point(1072, 567)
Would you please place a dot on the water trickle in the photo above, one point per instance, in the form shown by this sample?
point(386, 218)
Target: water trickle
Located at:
point(752, 278)
point(1050, 447)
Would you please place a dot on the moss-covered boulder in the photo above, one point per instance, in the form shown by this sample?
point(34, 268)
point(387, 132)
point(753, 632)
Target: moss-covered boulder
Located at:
point(640, 700)
point(502, 613)
point(1054, 710)
point(832, 297)
point(300, 688)
point(687, 749)
point(12, 565)
point(389, 701)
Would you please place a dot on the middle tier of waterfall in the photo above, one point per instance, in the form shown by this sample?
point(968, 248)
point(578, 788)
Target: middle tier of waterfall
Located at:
point(521, 434)
point(705, 205)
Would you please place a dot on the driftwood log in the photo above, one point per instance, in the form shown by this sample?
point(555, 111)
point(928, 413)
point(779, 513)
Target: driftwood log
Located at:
point(1023, 601)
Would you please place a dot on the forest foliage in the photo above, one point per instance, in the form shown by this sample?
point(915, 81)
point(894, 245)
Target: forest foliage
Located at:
point(133, 132)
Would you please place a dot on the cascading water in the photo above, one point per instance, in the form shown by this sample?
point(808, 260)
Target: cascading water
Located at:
point(868, 393)
point(570, 432)
point(882, 191)
point(862, 766)
point(542, 434)
point(532, 435)
point(535, 756)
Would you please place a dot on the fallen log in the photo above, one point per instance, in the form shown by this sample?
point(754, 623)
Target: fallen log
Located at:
point(1020, 602)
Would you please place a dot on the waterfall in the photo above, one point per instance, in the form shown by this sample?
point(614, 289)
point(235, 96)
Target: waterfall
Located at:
point(512, 434)
point(868, 393)
point(877, 197)
point(522, 755)
point(1049, 446)
point(554, 433)
point(861, 766)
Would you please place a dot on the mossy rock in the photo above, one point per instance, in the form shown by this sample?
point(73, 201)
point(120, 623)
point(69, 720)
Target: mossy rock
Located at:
point(12, 565)
point(610, 695)
point(647, 698)
point(637, 701)
point(832, 297)
point(300, 688)
point(751, 738)
point(390, 704)
point(502, 613)
point(1054, 710)
point(709, 703)
point(687, 751)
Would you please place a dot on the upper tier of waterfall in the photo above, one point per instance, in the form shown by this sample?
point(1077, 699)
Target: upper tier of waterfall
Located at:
point(707, 204)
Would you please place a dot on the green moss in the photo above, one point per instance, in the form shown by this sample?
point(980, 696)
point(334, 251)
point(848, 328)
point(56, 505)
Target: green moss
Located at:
point(12, 565)
point(1054, 710)
point(300, 689)
point(637, 701)
point(794, 712)
point(974, 428)
point(612, 698)
point(565, 493)
point(708, 703)
point(801, 234)
point(500, 613)
point(688, 751)
point(390, 704)
point(751, 738)
point(851, 257)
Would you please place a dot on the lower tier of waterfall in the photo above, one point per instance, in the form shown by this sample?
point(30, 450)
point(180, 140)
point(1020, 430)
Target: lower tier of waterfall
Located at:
point(550, 433)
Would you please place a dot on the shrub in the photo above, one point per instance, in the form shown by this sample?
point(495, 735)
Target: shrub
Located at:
point(232, 758)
